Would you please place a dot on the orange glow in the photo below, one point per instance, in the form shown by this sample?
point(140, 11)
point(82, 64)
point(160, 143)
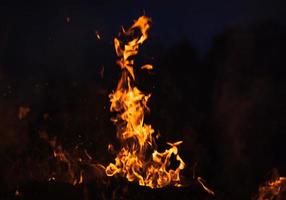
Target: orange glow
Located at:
point(133, 160)
point(71, 160)
point(272, 189)
point(148, 67)
point(23, 112)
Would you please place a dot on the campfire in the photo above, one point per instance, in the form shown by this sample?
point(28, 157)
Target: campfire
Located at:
point(138, 162)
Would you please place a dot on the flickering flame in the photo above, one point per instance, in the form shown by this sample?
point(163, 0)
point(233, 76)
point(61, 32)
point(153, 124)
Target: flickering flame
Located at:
point(272, 189)
point(134, 161)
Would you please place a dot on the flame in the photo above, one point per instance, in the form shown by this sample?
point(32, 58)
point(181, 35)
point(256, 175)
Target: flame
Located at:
point(69, 165)
point(272, 189)
point(138, 160)
point(148, 67)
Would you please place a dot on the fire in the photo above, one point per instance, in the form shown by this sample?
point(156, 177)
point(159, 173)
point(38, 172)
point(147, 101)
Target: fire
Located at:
point(272, 189)
point(138, 160)
point(70, 165)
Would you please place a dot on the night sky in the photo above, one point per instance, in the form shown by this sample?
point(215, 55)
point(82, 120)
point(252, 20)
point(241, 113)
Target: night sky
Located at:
point(197, 21)
point(48, 35)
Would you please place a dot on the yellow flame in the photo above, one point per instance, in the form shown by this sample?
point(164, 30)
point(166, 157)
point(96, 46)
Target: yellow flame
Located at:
point(133, 160)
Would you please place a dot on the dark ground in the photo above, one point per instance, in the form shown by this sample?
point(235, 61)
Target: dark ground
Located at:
point(227, 106)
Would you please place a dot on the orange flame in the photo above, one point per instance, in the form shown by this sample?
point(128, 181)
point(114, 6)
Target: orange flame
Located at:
point(272, 189)
point(148, 67)
point(133, 160)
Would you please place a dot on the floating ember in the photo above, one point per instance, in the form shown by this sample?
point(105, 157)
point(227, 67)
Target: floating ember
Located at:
point(137, 138)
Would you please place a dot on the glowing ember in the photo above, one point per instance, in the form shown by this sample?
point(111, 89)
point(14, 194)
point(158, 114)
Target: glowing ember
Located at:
point(134, 161)
point(23, 112)
point(148, 67)
point(97, 34)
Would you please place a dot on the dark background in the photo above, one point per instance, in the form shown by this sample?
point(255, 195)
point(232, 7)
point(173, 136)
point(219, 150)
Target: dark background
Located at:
point(218, 85)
